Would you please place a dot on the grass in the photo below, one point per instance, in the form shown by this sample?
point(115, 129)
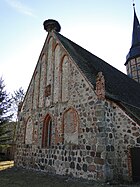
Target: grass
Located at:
point(6, 164)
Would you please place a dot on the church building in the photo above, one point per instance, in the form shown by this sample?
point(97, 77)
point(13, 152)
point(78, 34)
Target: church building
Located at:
point(81, 116)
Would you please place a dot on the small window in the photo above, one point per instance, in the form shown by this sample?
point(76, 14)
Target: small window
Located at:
point(48, 90)
point(47, 132)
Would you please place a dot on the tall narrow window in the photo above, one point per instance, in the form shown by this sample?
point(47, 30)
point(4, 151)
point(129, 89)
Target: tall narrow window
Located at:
point(70, 125)
point(64, 79)
point(47, 132)
point(29, 132)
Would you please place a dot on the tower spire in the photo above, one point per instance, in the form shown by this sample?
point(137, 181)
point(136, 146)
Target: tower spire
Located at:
point(136, 30)
point(133, 57)
point(135, 46)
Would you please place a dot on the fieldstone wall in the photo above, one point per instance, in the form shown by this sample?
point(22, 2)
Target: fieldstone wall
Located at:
point(127, 136)
point(122, 134)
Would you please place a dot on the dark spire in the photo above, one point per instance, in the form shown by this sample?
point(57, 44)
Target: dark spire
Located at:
point(135, 47)
point(136, 30)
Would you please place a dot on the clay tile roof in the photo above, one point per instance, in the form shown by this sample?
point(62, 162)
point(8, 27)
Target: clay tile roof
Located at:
point(119, 87)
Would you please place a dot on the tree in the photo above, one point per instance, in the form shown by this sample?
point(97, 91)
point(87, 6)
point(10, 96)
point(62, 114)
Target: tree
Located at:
point(17, 98)
point(5, 113)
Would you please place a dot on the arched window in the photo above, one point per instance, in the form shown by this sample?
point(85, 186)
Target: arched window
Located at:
point(29, 131)
point(56, 73)
point(70, 126)
point(47, 132)
point(64, 79)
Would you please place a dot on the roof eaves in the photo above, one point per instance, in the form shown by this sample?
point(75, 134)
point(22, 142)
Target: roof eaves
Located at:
point(132, 111)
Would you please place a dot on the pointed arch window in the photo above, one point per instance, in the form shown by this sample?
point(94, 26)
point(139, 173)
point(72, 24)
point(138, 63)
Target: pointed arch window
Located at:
point(47, 132)
point(70, 126)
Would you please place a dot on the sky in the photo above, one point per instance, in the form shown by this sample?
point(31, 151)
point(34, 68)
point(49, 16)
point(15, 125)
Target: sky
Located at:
point(102, 27)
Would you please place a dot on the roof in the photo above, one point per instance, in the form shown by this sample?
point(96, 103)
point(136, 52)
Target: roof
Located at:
point(135, 47)
point(118, 86)
point(136, 31)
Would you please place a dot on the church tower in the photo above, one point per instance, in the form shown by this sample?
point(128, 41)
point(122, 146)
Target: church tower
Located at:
point(133, 58)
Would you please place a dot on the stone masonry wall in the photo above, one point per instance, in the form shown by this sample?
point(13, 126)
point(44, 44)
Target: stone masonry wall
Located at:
point(122, 134)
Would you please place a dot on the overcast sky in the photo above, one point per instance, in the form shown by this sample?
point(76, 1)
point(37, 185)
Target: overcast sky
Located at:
point(104, 27)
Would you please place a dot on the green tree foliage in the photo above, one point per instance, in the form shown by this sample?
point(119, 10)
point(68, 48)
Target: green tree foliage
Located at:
point(5, 113)
point(17, 98)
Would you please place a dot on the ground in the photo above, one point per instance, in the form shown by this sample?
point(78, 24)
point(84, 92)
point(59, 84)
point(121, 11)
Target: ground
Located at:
point(11, 176)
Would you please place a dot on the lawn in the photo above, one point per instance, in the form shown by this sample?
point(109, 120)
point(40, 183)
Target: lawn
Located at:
point(6, 164)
